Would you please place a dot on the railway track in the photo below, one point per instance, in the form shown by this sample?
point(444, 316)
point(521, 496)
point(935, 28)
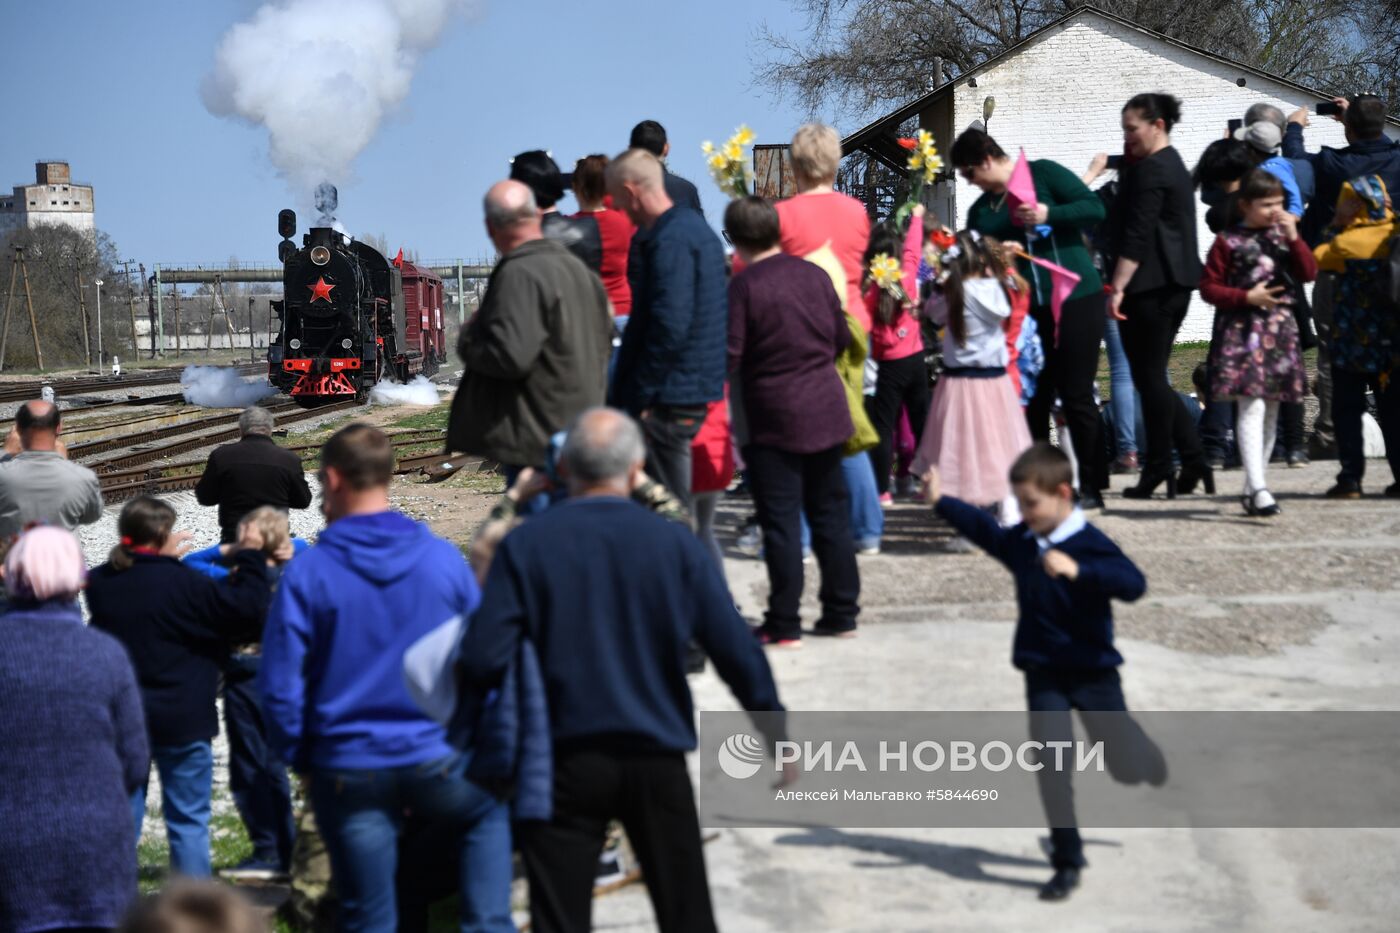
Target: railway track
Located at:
point(67, 385)
point(120, 485)
point(225, 429)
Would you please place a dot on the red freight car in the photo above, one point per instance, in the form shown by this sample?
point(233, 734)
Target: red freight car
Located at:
point(423, 323)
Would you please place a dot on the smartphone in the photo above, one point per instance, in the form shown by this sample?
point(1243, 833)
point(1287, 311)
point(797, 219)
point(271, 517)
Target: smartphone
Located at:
point(1328, 108)
point(1114, 162)
point(1234, 126)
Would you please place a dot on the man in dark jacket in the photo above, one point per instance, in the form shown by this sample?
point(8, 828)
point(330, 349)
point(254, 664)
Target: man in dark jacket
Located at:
point(612, 643)
point(253, 472)
point(1369, 152)
point(538, 170)
point(672, 361)
point(239, 478)
point(651, 136)
point(536, 353)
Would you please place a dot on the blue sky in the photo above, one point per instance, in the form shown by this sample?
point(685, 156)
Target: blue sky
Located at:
point(119, 90)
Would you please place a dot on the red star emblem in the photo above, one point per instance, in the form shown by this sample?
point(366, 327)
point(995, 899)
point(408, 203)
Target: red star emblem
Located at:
point(322, 289)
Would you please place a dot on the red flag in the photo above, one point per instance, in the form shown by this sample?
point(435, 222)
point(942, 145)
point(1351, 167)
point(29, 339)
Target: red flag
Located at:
point(1062, 284)
point(398, 260)
point(1020, 189)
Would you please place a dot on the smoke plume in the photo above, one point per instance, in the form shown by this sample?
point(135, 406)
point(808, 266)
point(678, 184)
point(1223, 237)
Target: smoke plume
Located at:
point(218, 387)
point(321, 75)
point(419, 391)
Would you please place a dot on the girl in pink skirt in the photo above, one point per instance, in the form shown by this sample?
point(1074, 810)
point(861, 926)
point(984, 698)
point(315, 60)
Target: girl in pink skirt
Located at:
point(976, 428)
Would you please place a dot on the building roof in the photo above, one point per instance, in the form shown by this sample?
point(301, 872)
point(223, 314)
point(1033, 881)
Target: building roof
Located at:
point(877, 137)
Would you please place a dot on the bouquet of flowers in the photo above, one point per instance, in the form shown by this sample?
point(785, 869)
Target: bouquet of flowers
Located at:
point(729, 163)
point(924, 165)
point(888, 275)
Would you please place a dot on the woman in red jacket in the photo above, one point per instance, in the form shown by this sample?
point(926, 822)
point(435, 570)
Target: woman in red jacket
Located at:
point(712, 470)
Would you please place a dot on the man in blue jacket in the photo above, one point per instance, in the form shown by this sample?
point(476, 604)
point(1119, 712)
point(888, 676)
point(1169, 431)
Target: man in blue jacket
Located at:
point(610, 594)
point(337, 708)
point(672, 361)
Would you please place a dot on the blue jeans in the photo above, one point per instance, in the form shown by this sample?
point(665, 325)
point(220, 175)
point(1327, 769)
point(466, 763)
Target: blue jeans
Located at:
point(186, 781)
point(867, 518)
point(256, 777)
point(361, 814)
point(1123, 402)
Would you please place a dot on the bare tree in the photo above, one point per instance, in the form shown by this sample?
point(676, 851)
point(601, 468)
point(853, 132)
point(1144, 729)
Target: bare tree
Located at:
point(856, 56)
point(61, 261)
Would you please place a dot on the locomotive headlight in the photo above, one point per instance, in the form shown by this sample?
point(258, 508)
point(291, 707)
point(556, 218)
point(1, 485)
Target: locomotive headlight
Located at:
point(320, 255)
point(346, 343)
point(294, 343)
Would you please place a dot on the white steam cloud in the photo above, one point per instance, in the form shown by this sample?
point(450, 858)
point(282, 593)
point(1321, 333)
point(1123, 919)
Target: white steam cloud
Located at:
point(419, 391)
point(321, 75)
point(218, 387)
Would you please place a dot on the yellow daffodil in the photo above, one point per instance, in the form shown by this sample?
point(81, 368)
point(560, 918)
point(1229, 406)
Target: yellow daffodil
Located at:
point(729, 162)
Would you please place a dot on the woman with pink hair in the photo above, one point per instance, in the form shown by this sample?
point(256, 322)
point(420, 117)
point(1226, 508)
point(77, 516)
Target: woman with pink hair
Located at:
point(72, 748)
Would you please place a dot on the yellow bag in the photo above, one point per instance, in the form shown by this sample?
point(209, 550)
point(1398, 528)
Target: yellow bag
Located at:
point(850, 365)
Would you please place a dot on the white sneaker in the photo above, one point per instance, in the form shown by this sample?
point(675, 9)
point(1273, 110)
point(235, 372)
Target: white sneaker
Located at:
point(868, 549)
point(750, 540)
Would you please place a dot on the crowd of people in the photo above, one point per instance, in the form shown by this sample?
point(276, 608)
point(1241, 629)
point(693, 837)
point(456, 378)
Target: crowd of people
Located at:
point(441, 711)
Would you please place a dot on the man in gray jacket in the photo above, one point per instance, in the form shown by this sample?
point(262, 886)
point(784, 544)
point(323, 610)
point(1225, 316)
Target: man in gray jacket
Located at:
point(536, 352)
point(39, 484)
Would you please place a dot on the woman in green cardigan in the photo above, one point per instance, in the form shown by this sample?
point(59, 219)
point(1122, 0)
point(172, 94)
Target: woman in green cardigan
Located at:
point(1068, 209)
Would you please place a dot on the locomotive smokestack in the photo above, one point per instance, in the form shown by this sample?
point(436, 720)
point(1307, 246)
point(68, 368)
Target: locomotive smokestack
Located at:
point(326, 200)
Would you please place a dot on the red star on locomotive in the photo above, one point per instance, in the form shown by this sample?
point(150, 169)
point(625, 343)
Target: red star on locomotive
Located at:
point(322, 289)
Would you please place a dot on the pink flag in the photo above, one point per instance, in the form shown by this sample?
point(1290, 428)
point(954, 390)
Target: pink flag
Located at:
point(1020, 189)
point(1062, 284)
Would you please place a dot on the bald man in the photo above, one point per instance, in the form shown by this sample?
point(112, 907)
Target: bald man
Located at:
point(672, 361)
point(609, 616)
point(39, 484)
point(536, 352)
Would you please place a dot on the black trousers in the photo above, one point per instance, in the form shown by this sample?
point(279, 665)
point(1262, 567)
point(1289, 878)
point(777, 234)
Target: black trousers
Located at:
point(1130, 755)
point(668, 432)
point(1154, 317)
point(784, 486)
point(1070, 370)
point(256, 776)
point(650, 794)
point(1348, 405)
point(903, 383)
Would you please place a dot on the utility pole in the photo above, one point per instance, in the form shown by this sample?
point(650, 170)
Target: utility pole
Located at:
point(175, 300)
point(82, 312)
point(18, 265)
point(131, 297)
point(252, 353)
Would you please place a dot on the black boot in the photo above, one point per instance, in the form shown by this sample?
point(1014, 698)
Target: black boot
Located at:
point(1193, 473)
point(1060, 884)
point(1148, 484)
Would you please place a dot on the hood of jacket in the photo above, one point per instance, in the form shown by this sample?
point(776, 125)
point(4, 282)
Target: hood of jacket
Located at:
point(382, 547)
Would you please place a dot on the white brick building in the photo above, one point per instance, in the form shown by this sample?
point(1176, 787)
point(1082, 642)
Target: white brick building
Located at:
point(1059, 95)
point(52, 199)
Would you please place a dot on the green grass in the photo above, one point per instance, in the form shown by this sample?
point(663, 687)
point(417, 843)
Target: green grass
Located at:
point(434, 418)
point(228, 845)
point(1184, 360)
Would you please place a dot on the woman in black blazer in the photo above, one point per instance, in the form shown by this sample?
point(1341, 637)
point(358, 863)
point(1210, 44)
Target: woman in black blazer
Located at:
point(1154, 222)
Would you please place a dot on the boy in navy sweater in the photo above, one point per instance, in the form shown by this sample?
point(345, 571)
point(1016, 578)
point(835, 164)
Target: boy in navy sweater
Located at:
point(1066, 571)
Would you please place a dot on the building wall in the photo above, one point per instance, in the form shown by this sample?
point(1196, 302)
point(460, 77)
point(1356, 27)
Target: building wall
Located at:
point(1061, 98)
point(61, 202)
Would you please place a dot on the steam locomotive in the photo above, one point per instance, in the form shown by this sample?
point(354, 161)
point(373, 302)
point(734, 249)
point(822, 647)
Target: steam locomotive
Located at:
point(350, 318)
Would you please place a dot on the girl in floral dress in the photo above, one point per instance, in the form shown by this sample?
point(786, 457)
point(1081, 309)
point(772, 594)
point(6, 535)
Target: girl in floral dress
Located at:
point(1255, 357)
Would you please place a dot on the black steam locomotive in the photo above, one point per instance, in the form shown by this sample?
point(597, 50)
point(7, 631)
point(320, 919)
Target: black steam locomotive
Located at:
point(350, 318)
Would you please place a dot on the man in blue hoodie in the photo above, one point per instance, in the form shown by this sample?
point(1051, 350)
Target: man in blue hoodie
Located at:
point(336, 705)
